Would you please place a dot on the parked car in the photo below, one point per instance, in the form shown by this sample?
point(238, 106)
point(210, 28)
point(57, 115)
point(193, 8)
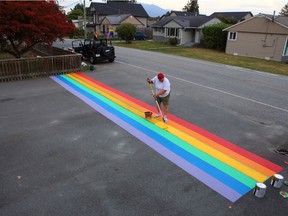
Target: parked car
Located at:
point(94, 50)
point(140, 36)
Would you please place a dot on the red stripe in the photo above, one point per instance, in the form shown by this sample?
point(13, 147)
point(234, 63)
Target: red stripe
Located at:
point(195, 128)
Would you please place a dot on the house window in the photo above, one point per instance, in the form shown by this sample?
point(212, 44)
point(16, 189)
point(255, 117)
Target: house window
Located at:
point(232, 36)
point(286, 48)
point(161, 30)
point(172, 32)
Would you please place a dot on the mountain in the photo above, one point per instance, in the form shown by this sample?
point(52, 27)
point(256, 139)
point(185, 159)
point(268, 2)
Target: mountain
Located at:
point(154, 10)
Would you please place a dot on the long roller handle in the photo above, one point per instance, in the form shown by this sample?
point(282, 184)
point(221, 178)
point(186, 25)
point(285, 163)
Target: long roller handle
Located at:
point(151, 87)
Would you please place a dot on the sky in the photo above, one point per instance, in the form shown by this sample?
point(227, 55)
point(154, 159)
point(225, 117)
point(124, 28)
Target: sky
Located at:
point(206, 7)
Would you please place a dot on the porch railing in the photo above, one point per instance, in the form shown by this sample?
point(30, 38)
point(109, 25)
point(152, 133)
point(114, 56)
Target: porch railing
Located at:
point(29, 68)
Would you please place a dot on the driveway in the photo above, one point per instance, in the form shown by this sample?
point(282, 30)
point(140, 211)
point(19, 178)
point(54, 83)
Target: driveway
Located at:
point(58, 156)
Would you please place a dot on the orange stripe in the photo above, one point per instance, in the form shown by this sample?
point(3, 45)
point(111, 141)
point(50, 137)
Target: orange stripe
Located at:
point(226, 151)
point(192, 133)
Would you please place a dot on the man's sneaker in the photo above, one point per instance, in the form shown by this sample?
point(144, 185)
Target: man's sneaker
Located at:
point(157, 115)
point(165, 118)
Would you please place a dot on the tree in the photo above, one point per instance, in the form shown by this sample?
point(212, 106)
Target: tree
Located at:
point(24, 24)
point(126, 31)
point(227, 20)
point(192, 6)
point(76, 12)
point(284, 10)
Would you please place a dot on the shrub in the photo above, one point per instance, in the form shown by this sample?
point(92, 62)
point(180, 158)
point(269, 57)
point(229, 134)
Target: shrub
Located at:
point(126, 31)
point(173, 41)
point(215, 37)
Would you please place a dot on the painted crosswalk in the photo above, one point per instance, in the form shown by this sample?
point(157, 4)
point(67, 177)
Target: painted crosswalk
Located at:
point(223, 166)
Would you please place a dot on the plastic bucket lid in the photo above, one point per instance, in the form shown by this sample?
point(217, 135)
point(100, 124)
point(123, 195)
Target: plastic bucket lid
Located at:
point(261, 185)
point(277, 176)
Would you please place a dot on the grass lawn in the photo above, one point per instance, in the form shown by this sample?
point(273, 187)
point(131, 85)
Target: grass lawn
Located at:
point(210, 55)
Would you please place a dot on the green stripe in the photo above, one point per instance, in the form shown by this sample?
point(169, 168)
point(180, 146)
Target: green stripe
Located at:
point(234, 173)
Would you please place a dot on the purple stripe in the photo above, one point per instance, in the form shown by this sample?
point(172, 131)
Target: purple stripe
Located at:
point(190, 168)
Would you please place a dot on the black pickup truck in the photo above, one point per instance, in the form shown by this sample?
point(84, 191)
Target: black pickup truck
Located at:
point(94, 50)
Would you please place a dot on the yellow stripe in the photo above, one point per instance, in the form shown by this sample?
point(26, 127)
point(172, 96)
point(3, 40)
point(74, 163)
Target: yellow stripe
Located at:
point(187, 138)
point(244, 160)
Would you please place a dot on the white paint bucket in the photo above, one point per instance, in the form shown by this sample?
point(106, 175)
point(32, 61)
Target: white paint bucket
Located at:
point(277, 180)
point(259, 190)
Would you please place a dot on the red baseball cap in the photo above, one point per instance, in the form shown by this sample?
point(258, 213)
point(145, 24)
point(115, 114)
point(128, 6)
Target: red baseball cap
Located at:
point(160, 76)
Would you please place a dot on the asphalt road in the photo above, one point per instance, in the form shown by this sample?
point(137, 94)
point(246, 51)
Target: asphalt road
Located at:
point(67, 43)
point(60, 157)
point(216, 97)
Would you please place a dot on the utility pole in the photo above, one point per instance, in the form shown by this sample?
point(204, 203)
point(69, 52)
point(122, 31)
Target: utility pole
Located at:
point(84, 19)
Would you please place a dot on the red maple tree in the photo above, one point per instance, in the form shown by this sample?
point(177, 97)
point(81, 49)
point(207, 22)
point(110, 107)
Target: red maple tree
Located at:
point(24, 24)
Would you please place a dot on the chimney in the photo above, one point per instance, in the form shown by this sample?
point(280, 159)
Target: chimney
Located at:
point(273, 17)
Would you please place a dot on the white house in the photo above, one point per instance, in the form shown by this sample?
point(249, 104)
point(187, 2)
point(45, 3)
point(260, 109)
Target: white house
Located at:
point(187, 29)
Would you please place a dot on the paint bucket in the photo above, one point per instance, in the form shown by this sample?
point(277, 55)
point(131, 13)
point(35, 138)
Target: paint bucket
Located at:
point(148, 114)
point(91, 68)
point(259, 190)
point(277, 180)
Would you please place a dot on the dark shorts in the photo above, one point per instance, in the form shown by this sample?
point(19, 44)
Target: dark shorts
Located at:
point(164, 100)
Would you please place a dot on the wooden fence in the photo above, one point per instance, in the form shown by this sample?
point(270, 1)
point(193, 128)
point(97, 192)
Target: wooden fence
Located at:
point(29, 68)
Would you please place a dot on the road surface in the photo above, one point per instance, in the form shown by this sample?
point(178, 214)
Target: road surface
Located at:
point(60, 157)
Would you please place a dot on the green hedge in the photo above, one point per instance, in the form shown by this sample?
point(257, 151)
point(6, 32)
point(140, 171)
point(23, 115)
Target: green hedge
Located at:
point(215, 37)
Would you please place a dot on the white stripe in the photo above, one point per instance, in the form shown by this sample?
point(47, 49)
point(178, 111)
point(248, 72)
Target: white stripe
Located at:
point(207, 87)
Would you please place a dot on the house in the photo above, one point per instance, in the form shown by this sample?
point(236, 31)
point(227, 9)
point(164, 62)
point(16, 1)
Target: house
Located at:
point(98, 12)
point(238, 16)
point(113, 21)
point(262, 36)
point(79, 23)
point(180, 13)
point(187, 29)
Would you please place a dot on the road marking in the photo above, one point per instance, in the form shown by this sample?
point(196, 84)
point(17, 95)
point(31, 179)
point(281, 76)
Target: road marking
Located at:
point(224, 167)
point(207, 87)
point(215, 64)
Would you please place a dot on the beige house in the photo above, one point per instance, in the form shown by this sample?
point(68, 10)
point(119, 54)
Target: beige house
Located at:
point(113, 21)
point(262, 36)
point(99, 11)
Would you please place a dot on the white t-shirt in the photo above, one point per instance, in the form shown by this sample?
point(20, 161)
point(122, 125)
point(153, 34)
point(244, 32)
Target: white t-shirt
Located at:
point(160, 86)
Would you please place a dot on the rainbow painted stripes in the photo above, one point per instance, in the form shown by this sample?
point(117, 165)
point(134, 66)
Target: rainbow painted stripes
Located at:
point(221, 165)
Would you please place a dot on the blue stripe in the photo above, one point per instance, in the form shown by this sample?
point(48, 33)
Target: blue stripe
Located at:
point(226, 179)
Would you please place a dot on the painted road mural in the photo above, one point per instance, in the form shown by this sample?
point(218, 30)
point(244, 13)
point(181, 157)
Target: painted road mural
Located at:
point(221, 165)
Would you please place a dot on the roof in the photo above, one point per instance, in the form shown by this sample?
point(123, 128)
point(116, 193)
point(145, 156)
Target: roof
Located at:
point(183, 13)
point(116, 19)
point(112, 8)
point(281, 20)
point(236, 15)
point(184, 21)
